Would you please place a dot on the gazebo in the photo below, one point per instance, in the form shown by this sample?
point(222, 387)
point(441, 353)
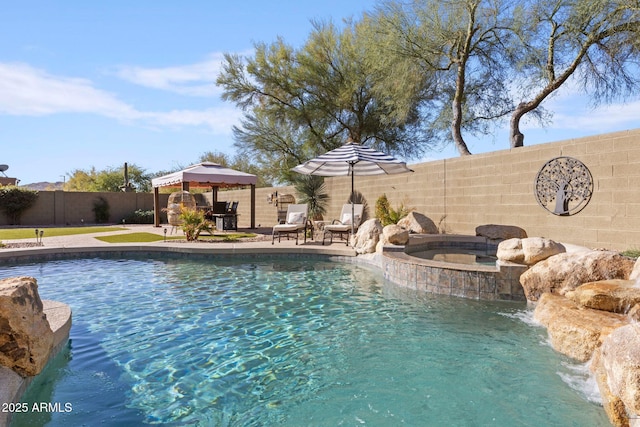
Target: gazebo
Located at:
point(205, 174)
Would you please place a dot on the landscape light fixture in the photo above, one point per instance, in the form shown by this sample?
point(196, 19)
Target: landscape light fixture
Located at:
point(39, 234)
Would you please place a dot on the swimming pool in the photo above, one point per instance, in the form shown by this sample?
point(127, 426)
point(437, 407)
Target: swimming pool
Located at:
point(290, 342)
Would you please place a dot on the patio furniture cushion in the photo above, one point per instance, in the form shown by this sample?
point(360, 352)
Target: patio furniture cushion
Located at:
point(296, 218)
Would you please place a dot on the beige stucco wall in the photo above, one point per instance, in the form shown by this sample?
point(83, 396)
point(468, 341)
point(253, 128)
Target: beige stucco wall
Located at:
point(75, 208)
point(458, 194)
point(497, 188)
point(461, 193)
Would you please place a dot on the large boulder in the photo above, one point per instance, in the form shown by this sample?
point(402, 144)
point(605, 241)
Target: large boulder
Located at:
point(612, 404)
point(418, 223)
point(510, 250)
point(395, 235)
point(616, 296)
point(26, 339)
point(635, 274)
point(500, 232)
point(528, 251)
point(619, 360)
point(574, 331)
point(537, 249)
point(367, 236)
point(566, 271)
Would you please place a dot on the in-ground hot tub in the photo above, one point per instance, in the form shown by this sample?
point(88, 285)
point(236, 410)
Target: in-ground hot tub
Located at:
point(456, 265)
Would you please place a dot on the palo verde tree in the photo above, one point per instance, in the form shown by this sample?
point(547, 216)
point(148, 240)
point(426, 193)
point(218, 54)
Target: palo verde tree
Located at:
point(594, 42)
point(301, 103)
point(461, 48)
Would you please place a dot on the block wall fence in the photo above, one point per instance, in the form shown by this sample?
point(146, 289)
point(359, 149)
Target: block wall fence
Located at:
point(62, 208)
point(458, 194)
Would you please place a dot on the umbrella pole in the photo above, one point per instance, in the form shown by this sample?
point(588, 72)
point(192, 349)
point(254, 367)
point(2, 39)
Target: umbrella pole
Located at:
point(352, 202)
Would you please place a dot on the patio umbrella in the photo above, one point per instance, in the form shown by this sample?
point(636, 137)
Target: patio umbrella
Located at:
point(352, 159)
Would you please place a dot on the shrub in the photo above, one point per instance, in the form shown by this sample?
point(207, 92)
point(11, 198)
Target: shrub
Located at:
point(101, 210)
point(386, 214)
point(15, 200)
point(314, 194)
point(632, 253)
point(194, 223)
point(139, 217)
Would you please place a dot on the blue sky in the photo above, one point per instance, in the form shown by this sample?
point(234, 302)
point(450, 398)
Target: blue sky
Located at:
point(98, 83)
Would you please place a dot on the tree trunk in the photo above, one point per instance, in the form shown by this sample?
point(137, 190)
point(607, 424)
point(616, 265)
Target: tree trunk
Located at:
point(456, 132)
point(515, 136)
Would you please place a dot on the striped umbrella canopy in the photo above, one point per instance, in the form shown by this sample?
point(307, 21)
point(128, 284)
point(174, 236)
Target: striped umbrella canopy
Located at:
point(352, 159)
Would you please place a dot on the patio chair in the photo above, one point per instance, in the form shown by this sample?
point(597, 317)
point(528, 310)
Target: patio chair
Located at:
point(296, 221)
point(342, 227)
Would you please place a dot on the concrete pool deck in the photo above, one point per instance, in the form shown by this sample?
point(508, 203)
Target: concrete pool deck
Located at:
point(87, 243)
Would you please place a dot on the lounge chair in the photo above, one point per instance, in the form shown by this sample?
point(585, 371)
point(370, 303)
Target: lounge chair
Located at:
point(342, 226)
point(296, 221)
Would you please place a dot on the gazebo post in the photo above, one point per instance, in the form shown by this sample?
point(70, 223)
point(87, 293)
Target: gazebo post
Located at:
point(156, 208)
point(253, 206)
point(214, 196)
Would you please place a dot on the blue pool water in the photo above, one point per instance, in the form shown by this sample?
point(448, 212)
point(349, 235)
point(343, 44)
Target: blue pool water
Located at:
point(294, 343)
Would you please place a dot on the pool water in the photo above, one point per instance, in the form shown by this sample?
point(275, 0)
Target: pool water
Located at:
point(291, 342)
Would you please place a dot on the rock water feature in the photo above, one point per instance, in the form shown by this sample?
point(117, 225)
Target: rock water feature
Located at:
point(591, 309)
point(589, 300)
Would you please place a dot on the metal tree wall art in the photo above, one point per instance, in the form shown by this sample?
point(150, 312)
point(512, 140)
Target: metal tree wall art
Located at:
point(563, 186)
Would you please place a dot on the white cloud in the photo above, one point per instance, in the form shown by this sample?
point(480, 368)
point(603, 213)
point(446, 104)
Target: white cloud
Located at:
point(605, 117)
point(218, 120)
point(27, 91)
point(193, 79)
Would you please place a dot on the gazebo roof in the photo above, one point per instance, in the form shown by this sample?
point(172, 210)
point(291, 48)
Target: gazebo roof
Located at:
point(207, 173)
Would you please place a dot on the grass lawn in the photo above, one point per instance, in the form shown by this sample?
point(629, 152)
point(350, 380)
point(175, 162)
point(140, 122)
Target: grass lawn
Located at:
point(135, 238)
point(29, 233)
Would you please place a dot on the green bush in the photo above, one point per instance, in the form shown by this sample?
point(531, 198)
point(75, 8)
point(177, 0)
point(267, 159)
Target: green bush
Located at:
point(314, 194)
point(101, 210)
point(632, 253)
point(194, 223)
point(140, 216)
point(14, 201)
point(386, 214)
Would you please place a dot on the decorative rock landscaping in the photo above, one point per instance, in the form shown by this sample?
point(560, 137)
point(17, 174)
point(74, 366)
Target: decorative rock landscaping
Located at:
point(566, 271)
point(31, 332)
point(500, 232)
point(367, 237)
point(591, 313)
point(418, 223)
point(528, 251)
point(26, 339)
